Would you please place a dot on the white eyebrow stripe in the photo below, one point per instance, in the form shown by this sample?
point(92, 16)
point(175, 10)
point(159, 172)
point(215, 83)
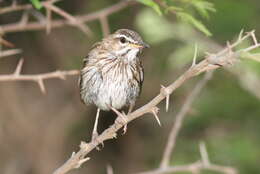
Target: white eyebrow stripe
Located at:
point(128, 38)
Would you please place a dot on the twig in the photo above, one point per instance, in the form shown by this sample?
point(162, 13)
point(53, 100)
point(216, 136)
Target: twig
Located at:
point(104, 25)
point(48, 20)
point(38, 78)
point(9, 52)
point(110, 169)
point(204, 154)
point(15, 27)
point(213, 61)
point(179, 120)
point(192, 168)
point(13, 8)
point(72, 20)
point(6, 43)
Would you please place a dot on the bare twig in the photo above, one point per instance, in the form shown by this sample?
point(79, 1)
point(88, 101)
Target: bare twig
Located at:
point(9, 52)
point(48, 20)
point(195, 167)
point(204, 154)
point(104, 25)
point(72, 20)
point(13, 8)
point(38, 78)
point(213, 61)
point(110, 169)
point(15, 27)
point(6, 43)
point(179, 120)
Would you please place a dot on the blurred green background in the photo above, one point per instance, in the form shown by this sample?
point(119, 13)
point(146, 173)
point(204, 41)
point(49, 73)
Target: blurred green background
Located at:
point(39, 131)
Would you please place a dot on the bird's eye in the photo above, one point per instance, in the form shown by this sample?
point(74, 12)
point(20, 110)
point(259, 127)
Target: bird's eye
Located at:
point(122, 40)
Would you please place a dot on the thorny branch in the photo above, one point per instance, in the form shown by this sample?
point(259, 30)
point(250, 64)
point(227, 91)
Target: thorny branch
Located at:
point(212, 61)
point(38, 78)
point(195, 167)
point(69, 19)
point(48, 23)
point(179, 120)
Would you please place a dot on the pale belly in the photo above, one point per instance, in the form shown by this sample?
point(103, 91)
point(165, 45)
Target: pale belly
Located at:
point(106, 92)
point(113, 94)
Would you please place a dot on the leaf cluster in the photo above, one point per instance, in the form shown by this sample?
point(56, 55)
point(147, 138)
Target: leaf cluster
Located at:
point(189, 11)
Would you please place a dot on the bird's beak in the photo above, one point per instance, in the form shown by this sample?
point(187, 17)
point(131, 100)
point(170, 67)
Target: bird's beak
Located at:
point(141, 45)
point(145, 45)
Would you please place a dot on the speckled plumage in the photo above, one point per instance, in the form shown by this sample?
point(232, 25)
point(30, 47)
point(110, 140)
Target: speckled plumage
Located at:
point(112, 74)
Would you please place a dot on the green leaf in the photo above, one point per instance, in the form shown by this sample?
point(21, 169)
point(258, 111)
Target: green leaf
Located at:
point(152, 4)
point(37, 4)
point(203, 7)
point(190, 19)
point(173, 8)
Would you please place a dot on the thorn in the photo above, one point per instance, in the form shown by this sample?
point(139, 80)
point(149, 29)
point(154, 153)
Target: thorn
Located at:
point(254, 37)
point(195, 55)
point(229, 46)
point(207, 53)
point(81, 162)
point(154, 111)
point(240, 34)
point(167, 96)
point(85, 29)
point(24, 18)
point(48, 20)
point(42, 87)
point(6, 43)
point(83, 145)
point(18, 68)
point(204, 154)
point(114, 135)
point(109, 169)
point(73, 153)
point(167, 102)
point(61, 76)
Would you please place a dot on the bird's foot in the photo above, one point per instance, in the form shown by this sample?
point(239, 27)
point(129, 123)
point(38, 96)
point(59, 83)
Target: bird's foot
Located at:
point(122, 119)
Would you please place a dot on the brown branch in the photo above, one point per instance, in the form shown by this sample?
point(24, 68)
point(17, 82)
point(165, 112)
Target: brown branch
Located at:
point(48, 20)
point(72, 20)
point(9, 52)
point(14, 8)
point(204, 163)
point(179, 120)
point(104, 26)
point(110, 169)
point(212, 61)
point(193, 168)
point(16, 27)
point(38, 78)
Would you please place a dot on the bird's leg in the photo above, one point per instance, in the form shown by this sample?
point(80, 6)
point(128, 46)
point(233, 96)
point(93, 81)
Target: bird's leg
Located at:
point(123, 118)
point(131, 107)
point(94, 132)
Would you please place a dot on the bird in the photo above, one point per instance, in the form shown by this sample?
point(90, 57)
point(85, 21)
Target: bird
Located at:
point(112, 74)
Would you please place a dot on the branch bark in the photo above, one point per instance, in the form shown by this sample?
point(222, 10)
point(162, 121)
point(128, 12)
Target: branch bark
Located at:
point(38, 78)
point(212, 61)
point(17, 27)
